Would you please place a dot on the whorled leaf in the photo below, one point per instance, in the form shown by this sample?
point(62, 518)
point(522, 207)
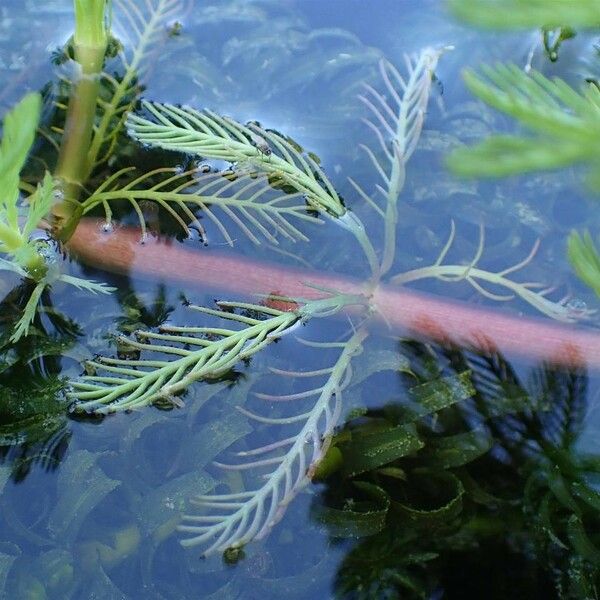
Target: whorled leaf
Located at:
point(240, 517)
point(209, 135)
point(251, 202)
point(183, 355)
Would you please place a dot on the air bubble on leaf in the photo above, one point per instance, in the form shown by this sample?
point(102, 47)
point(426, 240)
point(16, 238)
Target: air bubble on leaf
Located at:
point(202, 167)
point(576, 306)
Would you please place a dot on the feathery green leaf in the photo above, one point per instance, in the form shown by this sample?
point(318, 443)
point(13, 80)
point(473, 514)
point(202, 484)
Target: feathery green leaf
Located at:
point(585, 259)
point(566, 124)
point(22, 326)
point(506, 14)
point(39, 204)
point(191, 354)
point(19, 129)
point(251, 202)
point(212, 136)
point(18, 133)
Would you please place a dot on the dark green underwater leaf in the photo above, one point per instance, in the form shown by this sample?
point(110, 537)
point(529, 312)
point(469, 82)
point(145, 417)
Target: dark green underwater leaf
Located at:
point(369, 449)
point(359, 518)
point(433, 396)
point(457, 450)
point(447, 491)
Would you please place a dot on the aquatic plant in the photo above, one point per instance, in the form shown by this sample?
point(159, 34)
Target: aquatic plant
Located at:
point(565, 122)
point(28, 257)
point(272, 188)
point(396, 120)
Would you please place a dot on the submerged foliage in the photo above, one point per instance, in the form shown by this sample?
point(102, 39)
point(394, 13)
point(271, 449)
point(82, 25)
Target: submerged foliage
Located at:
point(270, 189)
point(472, 467)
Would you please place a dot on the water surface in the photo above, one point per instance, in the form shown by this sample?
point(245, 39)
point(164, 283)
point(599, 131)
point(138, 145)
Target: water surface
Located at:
point(89, 506)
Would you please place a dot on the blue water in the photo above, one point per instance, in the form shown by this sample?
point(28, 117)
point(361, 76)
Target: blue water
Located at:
point(91, 510)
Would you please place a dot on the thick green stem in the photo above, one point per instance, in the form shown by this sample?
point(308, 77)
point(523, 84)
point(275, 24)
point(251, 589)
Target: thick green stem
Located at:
point(90, 42)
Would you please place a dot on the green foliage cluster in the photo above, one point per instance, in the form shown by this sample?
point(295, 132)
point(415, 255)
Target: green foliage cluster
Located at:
point(28, 257)
point(565, 122)
point(565, 125)
point(474, 467)
point(18, 135)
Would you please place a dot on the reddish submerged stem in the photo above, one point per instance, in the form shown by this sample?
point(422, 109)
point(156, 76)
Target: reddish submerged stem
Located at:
point(409, 312)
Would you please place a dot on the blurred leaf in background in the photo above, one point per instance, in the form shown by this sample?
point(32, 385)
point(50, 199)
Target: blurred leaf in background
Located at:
point(564, 122)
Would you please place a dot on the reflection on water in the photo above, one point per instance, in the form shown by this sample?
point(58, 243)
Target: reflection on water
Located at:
point(450, 474)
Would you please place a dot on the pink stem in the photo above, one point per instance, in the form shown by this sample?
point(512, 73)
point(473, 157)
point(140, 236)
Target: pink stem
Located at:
point(413, 313)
